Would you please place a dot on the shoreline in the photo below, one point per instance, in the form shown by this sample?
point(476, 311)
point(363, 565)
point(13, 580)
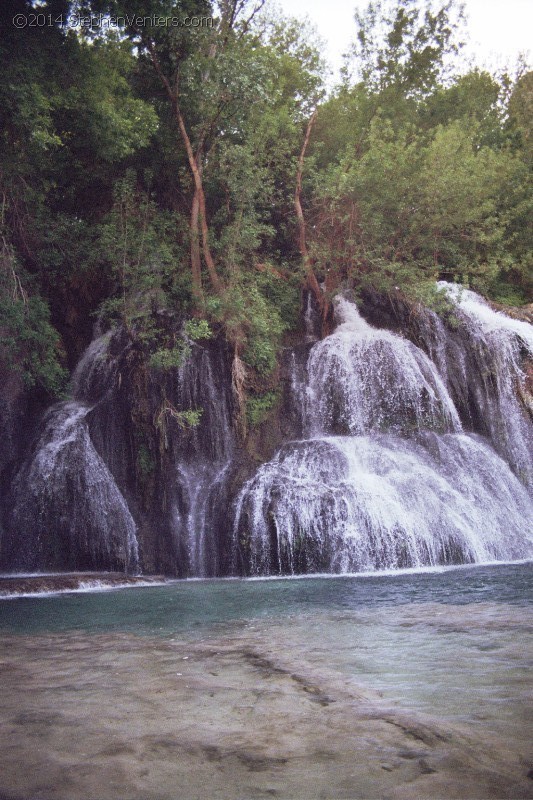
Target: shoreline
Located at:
point(22, 584)
point(43, 584)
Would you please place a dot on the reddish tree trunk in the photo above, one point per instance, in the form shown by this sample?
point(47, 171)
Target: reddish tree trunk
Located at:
point(199, 192)
point(196, 262)
point(196, 173)
point(302, 242)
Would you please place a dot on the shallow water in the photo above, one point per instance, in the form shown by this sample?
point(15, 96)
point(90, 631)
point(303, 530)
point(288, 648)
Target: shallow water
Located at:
point(189, 606)
point(407, 685)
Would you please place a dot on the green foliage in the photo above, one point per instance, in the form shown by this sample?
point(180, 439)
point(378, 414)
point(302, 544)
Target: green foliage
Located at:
point(197, 329)
point(404, 45)
point(187, 419)
point(475, 97)
point(259, 406)
point(138, 242)
point(252, 321)
point(190, 418)
point(29, 345)
point(280, 286)
point(411, 174)
point(145, 462)
point(166, 358)
point(421, 208)
point(100, 107)
point(429, 295)
point(241, 225)
point(430, 183)
point(520, 113)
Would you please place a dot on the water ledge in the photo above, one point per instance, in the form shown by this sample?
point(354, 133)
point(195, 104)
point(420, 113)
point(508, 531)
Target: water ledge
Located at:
point(27, 585)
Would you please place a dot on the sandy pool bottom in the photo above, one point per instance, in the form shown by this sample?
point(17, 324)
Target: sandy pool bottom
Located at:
point(249, 711)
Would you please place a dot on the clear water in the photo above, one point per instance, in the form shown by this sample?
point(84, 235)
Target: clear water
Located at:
point(194, 607)
point(404, 685)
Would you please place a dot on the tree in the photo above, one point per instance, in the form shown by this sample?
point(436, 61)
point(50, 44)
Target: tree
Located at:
point(302, 238)
point(69, 121)
point(405, 48)
point(418, 174)
point(196, 63)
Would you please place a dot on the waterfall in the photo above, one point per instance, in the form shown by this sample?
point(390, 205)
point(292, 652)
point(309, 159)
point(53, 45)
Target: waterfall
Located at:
point(94, 373)
point(68, 511)
point(485, 358)
point(312, 319)
point(76, 492)
point(406, 452)
point(202, 461)
point(363, 379)
point(386, 475)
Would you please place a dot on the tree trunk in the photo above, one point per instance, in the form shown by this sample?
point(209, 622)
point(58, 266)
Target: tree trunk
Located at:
point(196, 173)
point(302, 243)
point(199, 192)
point(196, 262)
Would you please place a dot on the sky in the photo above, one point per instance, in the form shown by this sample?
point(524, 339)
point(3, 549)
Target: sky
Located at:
point(497, 30)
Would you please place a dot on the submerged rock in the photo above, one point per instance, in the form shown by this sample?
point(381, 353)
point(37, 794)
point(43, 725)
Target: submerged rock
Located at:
point(23, 585)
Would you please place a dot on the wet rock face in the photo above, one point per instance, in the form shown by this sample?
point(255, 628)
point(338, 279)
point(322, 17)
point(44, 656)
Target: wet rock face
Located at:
point(115, 479)
point(372, 457)
point(19, 413)
point(199, 461)
point(68, 511)
point(10, 396)
point(11, 392)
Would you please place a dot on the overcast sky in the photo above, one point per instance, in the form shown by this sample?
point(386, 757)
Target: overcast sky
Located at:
point(498, 30)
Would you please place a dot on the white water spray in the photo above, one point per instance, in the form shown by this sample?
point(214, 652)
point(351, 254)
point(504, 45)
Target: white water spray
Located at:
point(386, 478)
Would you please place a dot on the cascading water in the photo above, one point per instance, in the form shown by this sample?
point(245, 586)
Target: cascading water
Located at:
point(68, 511)
point(75, 495)
point(202, 468)
point(362, 379)
point(409, 455)
point(386, 477)
point(486, 356)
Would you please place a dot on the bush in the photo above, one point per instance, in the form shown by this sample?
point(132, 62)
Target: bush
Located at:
point(29, 343)
point(258, 407)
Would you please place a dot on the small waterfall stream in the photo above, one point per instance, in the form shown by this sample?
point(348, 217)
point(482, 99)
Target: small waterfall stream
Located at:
point(202, 468)
point(386, 477)
point(362, 379)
